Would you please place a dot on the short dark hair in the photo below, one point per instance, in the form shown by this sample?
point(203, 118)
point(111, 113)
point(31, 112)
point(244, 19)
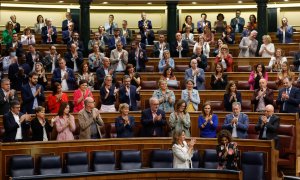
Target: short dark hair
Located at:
point(54, 88)
point(33, 73)
point(203, 14)
point(14, 103)
point(39, 109)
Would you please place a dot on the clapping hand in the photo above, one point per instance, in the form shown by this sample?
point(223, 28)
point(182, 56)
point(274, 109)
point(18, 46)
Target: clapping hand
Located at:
point(192, 143)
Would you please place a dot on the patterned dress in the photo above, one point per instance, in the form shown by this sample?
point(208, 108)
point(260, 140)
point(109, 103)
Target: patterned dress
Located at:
point(230, 160)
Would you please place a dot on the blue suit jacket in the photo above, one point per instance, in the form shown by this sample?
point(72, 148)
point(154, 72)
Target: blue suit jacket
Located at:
point(124, 131)
point(70, 81)
point(28, 98)
point(11, 127)
point(78, 60)
point(185, 49)
point(292, 104)
point(45, 37)
point(150, 37)
point(149, 126)
point(288, 35)
point(133, 97)
point(200, 78)
point(66, 36)
point(241, 126)
point(141, 25)
point(112, 42)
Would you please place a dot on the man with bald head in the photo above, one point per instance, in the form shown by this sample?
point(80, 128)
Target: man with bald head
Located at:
point(262, 96)
point(268, 125)
point(90, 120)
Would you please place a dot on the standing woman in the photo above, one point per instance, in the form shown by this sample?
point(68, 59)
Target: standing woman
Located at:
point(40, 126)
point(253, 23)
point(191, 96)
point(205, 46)
point(188, 22)
point(267, 49)
point(27, 37)
point(165, 97)
point(231, 95)
point(258, 73)
point(188, 36)
point(218, 45)
point(8, 33)
point(208, 35)
point(124, 123)
point(227, 151)
point(219, 78)
point(39, 24)
point(228, 35)
point(277, 60)
point(95, 58)
point(56, 98)
point(207, 122)
point(180, 119)
point(285, 72)
point(42, 79)
point(182, 151)
point(65, 123)
point(220, 24)
point(135, 77)
point(85, 74)
point(108, 93)
point(80, 94)
point(225, 59)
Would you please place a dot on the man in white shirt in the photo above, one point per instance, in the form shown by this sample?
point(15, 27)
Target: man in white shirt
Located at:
point(6, 96)
point(15, 124)
point(237, 122)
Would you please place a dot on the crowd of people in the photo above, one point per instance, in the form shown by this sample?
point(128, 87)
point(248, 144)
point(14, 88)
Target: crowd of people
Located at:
point(26, 73)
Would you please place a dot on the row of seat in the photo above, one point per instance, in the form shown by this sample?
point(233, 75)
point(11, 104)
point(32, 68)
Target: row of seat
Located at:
point(77, 162)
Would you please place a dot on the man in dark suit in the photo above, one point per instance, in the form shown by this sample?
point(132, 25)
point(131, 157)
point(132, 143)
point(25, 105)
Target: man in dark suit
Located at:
point(115, 38)
point(17, 26)
point(137, 57)
point(129, 94)
point(144, 22)
point(262, 96)
point(288, 97)
point(147, 37)
point(67, 21)
point(153, 120)
point(33, 56)
point(126, 33)
point(67, 34)
point(201, 58)
point(160, 46)
point(64, 75)
point(74, 58)
point(15, 124)
point(16, 45)
point(237, 122)
point(49, 33)
point(179, 48)
point(75, 40)
point(32, 94)
point(268, 125)
point(202, 23)
point(6, 95)
point(104, 70)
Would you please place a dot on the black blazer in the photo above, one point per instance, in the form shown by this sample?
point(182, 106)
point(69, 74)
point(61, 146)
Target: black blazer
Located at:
point(37, 129)
point(185, 49)
point(28, 98)
point(19, 49)
point(4, 103)
point(100, 74)
point(30, 61)
point(134, 97)
point(219, 85)
point(272, 128)
point(142, 59)
point(292, 104)
point(11, 127)
point(268, 99)
point(78, 60)
point(149, 126)
point(227, 104)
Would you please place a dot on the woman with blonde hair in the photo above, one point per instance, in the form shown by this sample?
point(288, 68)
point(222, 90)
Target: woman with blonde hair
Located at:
point(124, 123)
point(191, 96)
point(267, 49)
point(284, 73)
point(180, 118)
point(277, 60)
point(225, 59)
point(165, 96)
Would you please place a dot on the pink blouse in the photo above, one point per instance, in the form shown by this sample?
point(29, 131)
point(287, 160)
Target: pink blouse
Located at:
point(64, 133)
point(77, 95)
point(251, 80)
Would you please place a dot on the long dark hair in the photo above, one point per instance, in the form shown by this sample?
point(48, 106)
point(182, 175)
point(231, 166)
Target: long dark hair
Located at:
point(166, 69)
point(54, 88)
point(62, 108)
point(263, 71)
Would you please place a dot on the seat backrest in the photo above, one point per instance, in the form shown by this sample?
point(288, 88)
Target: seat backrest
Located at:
point(130, 159)
point(196, 159)
point(217, 105)
point(247, 106)
point(272, 85)
point(181, 67)
point(149, 68)
point(210, 159)
point(243, 85)
point(252, 134)
point(21, 165)
point(2, 131)
point(76, 162)
point(161, 159)
point(246, 68)
point(103, 161)
point(287, 143)
point(113, 131)
point(253, 165)
point(149, 85)
point(50, 165)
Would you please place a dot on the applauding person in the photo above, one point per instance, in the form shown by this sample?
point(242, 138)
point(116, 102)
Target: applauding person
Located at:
point(225, 59)
point(231, 95)
point(191, 96)
point(165, 96)
point(129, 93)
point(64, 123)
point(219, 78)
point(124, 123)
point(258, 73)
point(207, 122)
point(81, 94)
point(108, 93)
point(180, 119)
point(56, 98)
point(40, 126)
point(262, 96)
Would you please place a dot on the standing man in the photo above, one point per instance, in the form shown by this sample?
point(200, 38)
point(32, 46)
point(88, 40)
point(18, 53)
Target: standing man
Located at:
point(202, 23)
point(137, 57)
point(67, 34)
point(153, 120)
point(285, 32)
point(144, 23)
point(179, 48)
point(110, 26)
point(288, 97)
point(160, 47)
point(15, 124)
point(237, 122)
point(64, 75)
point(103, 71)
point(119, 58)
point(49, 33)
point(262, 96)
point(200, 57)
point(32, 94)
point(248, 45)
point(196, 74)
point(129, 94)
point(126, 33)
point(6, 96)
point(66, 22)
point(90, 121)
point(268, 125)
point(74, 58)
point(238, 22)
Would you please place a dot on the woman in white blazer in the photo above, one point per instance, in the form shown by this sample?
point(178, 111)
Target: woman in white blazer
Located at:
point(182, 151)
point(191, 96)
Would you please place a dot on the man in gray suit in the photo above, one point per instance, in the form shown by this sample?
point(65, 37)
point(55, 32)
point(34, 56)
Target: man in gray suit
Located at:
point(119, 58)
point(248, 45)
point(197, 74)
